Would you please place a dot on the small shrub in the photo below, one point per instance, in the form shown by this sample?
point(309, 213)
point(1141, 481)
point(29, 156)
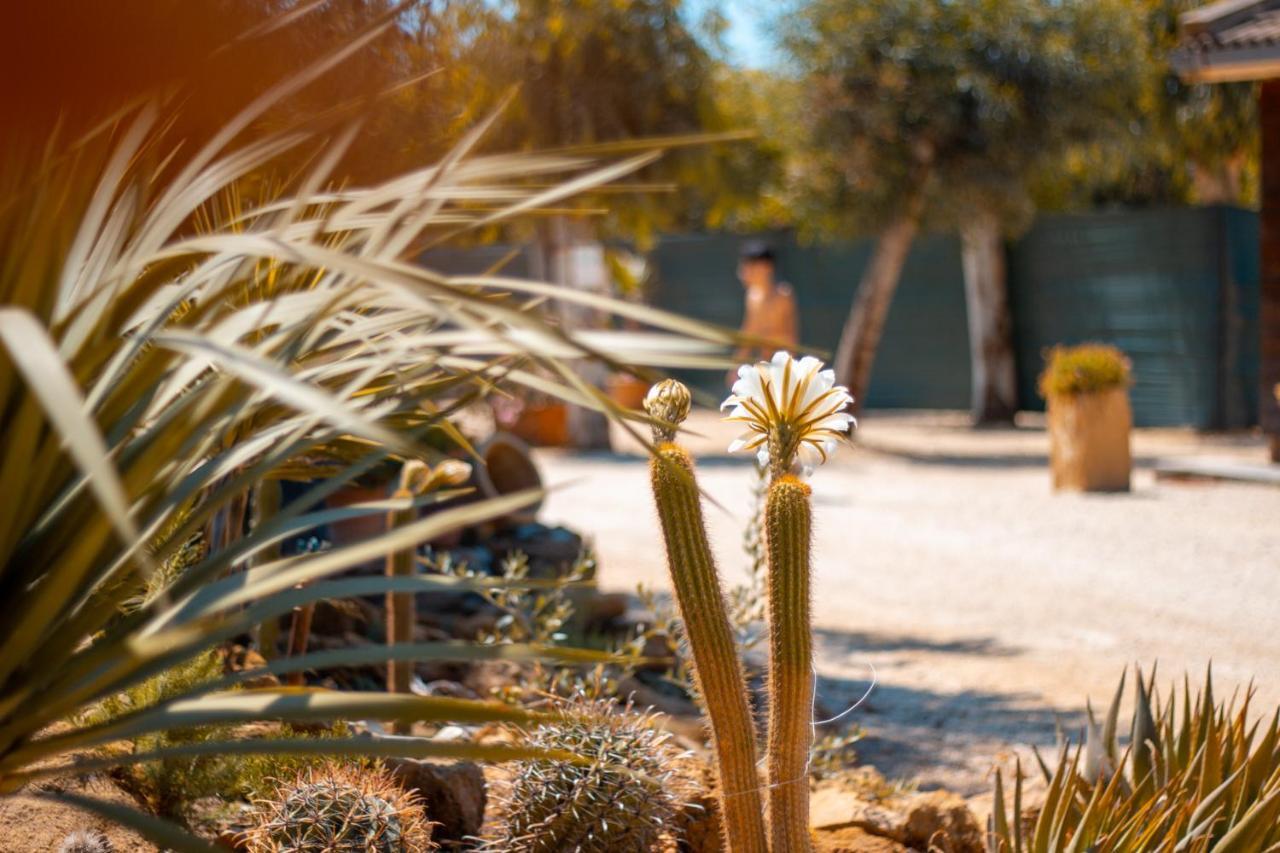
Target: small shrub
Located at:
point(1195, 775)
point(625, 799)
point(172, 786)
point(339, 809)
point(1083, 369)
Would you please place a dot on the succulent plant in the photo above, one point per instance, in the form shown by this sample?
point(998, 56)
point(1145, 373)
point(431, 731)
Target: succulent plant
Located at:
point(339, 809)
point(86, 841)
point(794, 414)
point(716, 667)
point(1083, 369)
point(1194, 776)
point(624, 799)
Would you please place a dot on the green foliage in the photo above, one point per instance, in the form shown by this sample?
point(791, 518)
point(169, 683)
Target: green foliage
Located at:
point(172, 787)
point(1083, 369)
point(1185, 142)
point(340, 809)
point(961, 101)
point(163, 351)
point(1196, 775)
point(834, 754)
point(624, 798)
point(747, 609)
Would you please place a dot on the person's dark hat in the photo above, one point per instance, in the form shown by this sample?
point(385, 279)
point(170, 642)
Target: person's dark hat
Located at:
point(757, 250)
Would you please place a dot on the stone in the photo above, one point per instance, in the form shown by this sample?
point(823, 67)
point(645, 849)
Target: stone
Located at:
point(453, 794)
point(943, 820)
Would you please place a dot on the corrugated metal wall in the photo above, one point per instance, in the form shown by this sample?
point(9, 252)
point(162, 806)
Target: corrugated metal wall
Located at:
point(923, 360)
point(1175, 289)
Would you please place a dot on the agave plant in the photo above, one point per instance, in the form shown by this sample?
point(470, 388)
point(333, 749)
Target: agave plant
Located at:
point(1196, 775)
point(159, 359)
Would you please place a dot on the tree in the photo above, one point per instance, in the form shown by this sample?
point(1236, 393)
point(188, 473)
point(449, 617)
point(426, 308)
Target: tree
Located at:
point(940, 112)
point(1186, 143)
point(602, 71)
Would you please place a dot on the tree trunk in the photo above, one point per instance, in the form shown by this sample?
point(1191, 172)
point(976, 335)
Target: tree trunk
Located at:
point(994, 381)
point(558, 260)
point(1269, 307)
point(861, 334)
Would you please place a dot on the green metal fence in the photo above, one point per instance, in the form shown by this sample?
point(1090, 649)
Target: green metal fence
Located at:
point(1176, 289)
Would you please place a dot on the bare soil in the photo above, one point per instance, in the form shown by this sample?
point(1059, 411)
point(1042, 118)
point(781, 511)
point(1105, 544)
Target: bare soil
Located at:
point(986, 607)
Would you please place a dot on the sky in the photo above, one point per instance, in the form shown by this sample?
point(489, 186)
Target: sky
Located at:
point(747, 40)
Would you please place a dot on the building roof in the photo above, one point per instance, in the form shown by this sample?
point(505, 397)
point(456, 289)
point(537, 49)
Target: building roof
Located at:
point(1228, 41)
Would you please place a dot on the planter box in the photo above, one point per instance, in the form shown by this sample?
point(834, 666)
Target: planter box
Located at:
point(1089, 441)
point(627, 391)
point(543, 424)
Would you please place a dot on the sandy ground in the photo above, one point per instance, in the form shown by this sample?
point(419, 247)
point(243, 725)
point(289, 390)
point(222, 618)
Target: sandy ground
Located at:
point(987, 606)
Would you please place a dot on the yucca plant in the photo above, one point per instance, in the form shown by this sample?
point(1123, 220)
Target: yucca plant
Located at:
point(1196, 775)
point(159, 360)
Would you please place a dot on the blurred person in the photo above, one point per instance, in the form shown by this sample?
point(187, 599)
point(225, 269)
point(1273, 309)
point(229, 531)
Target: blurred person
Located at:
point(771, 305)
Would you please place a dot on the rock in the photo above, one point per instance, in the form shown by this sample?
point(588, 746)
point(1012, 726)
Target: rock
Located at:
point(942, 819)
point(849, 810)
point(452, 689)
point(340, 617)
point(645, 691)
point(453, 793)
point(601, 609)
point(837, 807)
point(240, 659)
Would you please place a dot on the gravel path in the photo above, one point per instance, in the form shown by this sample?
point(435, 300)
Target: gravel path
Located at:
point(987, 606)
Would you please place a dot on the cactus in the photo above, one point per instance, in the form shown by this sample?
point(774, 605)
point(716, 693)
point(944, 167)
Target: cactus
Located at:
point(794, 414)
point(788, 521)
point(625, 799)
point(340, 809)
point(717, 670)
point(86, 841)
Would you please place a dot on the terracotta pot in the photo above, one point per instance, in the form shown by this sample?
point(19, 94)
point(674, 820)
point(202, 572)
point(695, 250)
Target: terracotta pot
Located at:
point(508, 468)
point(627, 391)
point(543, 424)
point(1089, 441)
point(361, 526)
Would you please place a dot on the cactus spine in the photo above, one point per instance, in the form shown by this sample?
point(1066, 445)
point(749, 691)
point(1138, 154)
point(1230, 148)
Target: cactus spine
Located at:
point(698, 592)
point(788, 522)
point(339, 809)
point(625, 799)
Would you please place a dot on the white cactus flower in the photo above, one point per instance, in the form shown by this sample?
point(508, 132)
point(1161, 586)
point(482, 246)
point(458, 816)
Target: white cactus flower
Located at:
point(794, 410)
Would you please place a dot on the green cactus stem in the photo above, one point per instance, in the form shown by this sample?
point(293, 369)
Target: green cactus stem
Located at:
point(788, 524)
point(716, 667)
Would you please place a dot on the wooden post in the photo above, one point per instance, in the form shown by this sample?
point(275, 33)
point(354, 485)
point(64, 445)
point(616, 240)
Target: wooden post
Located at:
point(1269, 279)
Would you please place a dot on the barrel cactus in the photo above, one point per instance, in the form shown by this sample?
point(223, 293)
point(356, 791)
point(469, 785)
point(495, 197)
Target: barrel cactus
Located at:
point(625, 798)
point(339, 809)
